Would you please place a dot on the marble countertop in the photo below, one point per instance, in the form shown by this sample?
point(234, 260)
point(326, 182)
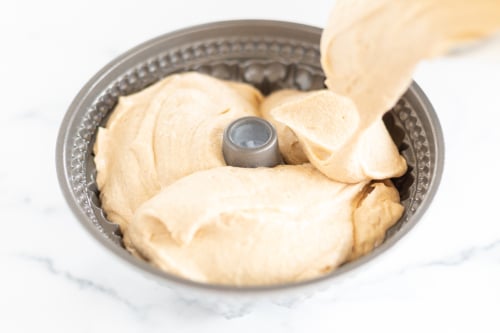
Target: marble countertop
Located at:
point(444, 275)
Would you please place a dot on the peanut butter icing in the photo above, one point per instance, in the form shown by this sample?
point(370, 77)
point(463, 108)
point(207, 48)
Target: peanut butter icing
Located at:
point(163, 179)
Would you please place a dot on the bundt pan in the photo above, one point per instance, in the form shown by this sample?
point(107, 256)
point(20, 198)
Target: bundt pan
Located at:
point(270, 55)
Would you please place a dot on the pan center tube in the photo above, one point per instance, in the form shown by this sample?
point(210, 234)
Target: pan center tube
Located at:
point(251, 142)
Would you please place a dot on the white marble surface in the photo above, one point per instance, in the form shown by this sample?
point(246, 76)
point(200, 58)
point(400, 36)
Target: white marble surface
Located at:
point(55, 278)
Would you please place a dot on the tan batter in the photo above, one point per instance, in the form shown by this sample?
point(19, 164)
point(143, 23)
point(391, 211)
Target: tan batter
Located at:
point(369, 51)
point(162, 134)
point(244, 226)
point(221, 225)
point(163, 179)
point(329, 131)
point(370, 48)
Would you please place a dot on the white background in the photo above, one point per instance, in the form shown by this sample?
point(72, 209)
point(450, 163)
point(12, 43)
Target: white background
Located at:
point(54, 277)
